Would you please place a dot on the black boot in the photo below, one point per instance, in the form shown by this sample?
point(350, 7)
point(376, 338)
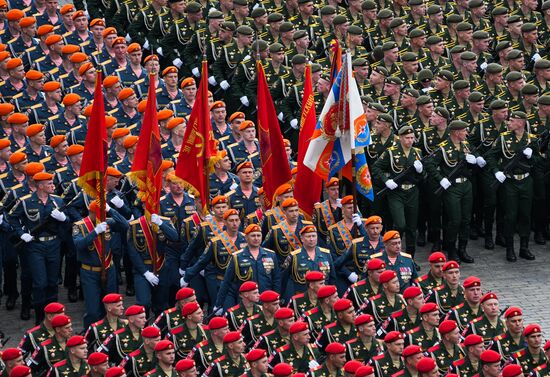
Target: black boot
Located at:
point(524, 249)
point(473, 233)
point(539, 238)
point(451, 252)
point(500, 240)
point(10, 302)
point(38, 314)
point(436, 246)
point(463, 254)
point(510, 253)
point(25, 313)
point(489, 243)
point(421, 239)
point(73, 294)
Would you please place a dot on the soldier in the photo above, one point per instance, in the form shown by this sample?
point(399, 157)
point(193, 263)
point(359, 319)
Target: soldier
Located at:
point(469, 364)
point(244, 198)
point(186, 368)
point(434, 277)
point(470, 308)
point(299, 353)
point(170, 318)
point(165, 355)
point(390, 362)
point(409, 317)
point(142, 24)
point(387, 301)
point(232, 362)
point(35, 336)
point(190, 332)
point(100, 330)
point(75, 364)
point(98, 363)
point(280, 335)
point(205, 352)
point(448, 349)
point(344, 232)
point(329, 212)
point(450, 293)
point(531, 356)
point(426, 334)
point(307, 300)
point(341, 330)
point(512, 339)
point(253, 327)
point(52, 350)
point(489, 325)
point(412, 354)
point(334, 363)
point(365, 346)
point(402, 264)
point(257, 360)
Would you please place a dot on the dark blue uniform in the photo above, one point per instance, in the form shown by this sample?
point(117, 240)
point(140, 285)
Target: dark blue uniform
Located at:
point(404, 267)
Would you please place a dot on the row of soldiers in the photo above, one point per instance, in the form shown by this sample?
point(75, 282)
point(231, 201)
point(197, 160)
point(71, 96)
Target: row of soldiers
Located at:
point(439, 324)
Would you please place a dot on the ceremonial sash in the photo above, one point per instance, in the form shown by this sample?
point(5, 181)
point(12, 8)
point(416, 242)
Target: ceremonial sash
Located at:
point(215, 229)
point(227, 243)
point(277, 215)
point(151, 244)
point(89, 225)
point(290, 235)
point(327, 214)
point(345, 234)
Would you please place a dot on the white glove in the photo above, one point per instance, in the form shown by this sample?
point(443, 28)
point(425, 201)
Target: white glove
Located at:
point(208, 217)
point(339, 203)
point(391, 184)
point(471, 159)
point(426, 90)
point(183, 283)
point(217, 311)
point(159, 51)
point(146, 45)
point(483, 66)
point(86, 13)
point(107, 207)
point(117, 202)
point(155, 219)
point(224, 85)
point(212, 81)
point(294, 124)
point(481, 161)
point(418, 166)
point(500, 176)
point(27, 237)
point(196, 72)
point(353, 277)
point(151, 278)
point(201, 273)
point(536, 57)
point(313, 364)
point(101, 228)
point(177, 62)
point(528, 152)
point(1, 219)
point(281, 116)
point(233, 186)
point(128, 38)
point(58, 215)
point(244, 100)
point(356, 218)
point(182, 272)
point(445, 183)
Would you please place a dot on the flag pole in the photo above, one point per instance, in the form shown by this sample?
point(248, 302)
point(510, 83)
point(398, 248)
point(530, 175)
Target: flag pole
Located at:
point(102, 217)
point(351, 130)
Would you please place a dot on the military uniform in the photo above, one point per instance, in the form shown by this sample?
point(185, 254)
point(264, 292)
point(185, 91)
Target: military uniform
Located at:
point(482, 326)
point(246, 205)
point(506, 345)
point(299, 362)
point(360, 292)
point(353, 259)
point(65, 368)
point(120, 344)
point(317, 320)
point(445, 297)
point(184, 340)
point(464, 367)
point(138, 363)
point(283, 240)
point(98, 332)
point(204, 354)
point(356, 349)
point(334, 332)
point(324, 216)
point(51, 352)
point(527, 360)
point(384, 365)
point(380, 308)
point(404, 267)
point(420, 337)
point(271, 341)
point(443, 357)
point(33, 338)
point(463, 314)
point(236, 315)
point(224, 367)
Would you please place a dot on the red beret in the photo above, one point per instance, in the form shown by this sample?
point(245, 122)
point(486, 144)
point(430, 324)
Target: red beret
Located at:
point(76, 340)
point(217, 323)
point(531, 329)
point(392, 336)
point(489, 356)
point(411, 350)
point(510, 370)
point(54, 307)
point(184, 365)
point(312, 276)
point(111, 298)
point(363, 318)
point(184, 293)
point(134, 310)
point(437, 257)
point(375, 264)
point(284, 313)
point(298, 326)
point(97, 358)
point(512, 311)
point(425, 365)
point(428, 308)
point(248, 286)
point(11, 354)
point(335, 348)
point(164, 345)
point(489, 296)
point(115, 372)
point(412, 292)
point(352, 366)
point(342, 304)
point(546, 345)
point(447, 326)
point(282, 369)
point(60, 321)
point(150, 332)
point(20, 371)
point(269, 296)
point(471, 281)
point(255, 355)
point(326, 291)
point(232, 336)
point(364, 371)
point(386, 276)
point(450, 265)
point(472, 340)
point(190, 308)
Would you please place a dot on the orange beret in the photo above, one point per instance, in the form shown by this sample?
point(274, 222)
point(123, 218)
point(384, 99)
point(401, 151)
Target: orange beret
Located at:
point(70, 99)
point(34, 129)
point(13, 63)
point(217, 105)
point(110, 121)
point(87, 111)
point(4, 55)
point(120, 132)
point(78, 57)
point(51, 86)
point(285, 188)
point(390, 235)
point(164, 114)
point(33, 75)
point(294, 170)
point(33, 167)
point(187, 82)
point(56, 140)
point(130, 141)
point(170, 69)
point(308, 228)
point(113, 172)
point(109, 81)
point(75, 149)
point(174, 122)
point(18, 118)
point(125, 93)
point(133, 47)
point(44, 29)
point(85, 68)
point(244, 165)
point(67, 8)
point(261, 191)
point(108, 31)
point(236, 115)
point(97, 22)
point(252, 228)
point(3, 4)
point(348, 199)
point(4, 143)
point(70, 49)
point(27, 21)
point(220, 199)
point(373, 220)
point(142, 105)
point(246, 124)
point(333, 182)
point(42, 176)
point(286, 142)
point(6, 108)
point(118, 41)
point(151, 57)
point(230, 212)
point(15, 15)
point(289, 202)
point(166, 164)
point(17, 157)
point(53, 39)
point(77, 14)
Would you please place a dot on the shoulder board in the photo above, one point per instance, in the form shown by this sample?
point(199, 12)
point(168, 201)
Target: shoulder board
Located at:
point(283, 348)
point(60, 363)
point(376, 255)
point(434, 348)
point(233, 308)
point(378, 357)
point(500, 337)
point(360, 283)
point(26, 197)
point(101, 320)
point(477, 319)
point(311, 311)
point(295, 252)
point(519, 353)
point(351, 341)
point(412, 331)
point(61, 169)
point(202, 344)
point(331, 325)
point(406, 255)
point(46, 342)
point(33, 329)
point(324, 250)
point(397, 314)
point(376, 297)
point(459, 306)
point(458, 362)
point(135, 353)
point(422, 278)
point(299, 295)
point(268, 333)
point(358, 240)
point(177, 330)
